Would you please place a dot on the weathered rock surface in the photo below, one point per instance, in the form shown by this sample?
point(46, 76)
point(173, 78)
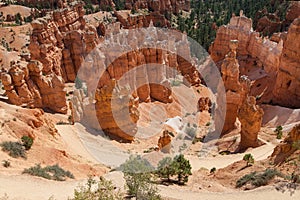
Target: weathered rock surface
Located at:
point(131, 72)
point(162, 6)
point(287, 87)
point(58, 45)
point(238, 102)
point(235, 93)
point(45, 3)
point(278, 57)
point(250, 115)
point(25, 85)
point(204, 104)
point(129, 21)
point(287, 147)
point(164, 142)
point(60, 41)
point(117, 111)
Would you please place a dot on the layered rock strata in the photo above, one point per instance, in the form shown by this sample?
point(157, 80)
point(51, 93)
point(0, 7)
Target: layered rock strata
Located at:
point(57, 48)
point(288, 146)
point(250, 115)
point(139, 64)
point(287, 86)
point(278, 58)
point(162, 6)
point(26, 85)
point(238, 102)
point(61, 41)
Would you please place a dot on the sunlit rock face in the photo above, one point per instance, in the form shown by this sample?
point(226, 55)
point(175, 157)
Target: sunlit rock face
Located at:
point(278, 56)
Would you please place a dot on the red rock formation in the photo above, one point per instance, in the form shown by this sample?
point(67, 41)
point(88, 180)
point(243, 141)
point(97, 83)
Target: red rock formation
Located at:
point(129, 21)
point(230, 75)
point(58, 45)
point(250, 115)
point(164, 142)
point(105, 4)
point(293, 11)
point(268, 24)
point(117, 112)
point(287, 87)
point(287, 147)
point(45, 3)
point(162, 6)
point(143, 71)
point(61, 41)
point(204, 104)
point(250, 44)
point(25, 85)
point(279, 58)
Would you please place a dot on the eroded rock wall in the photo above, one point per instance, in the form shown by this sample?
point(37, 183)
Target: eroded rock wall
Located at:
point(287, 87)
point(278, 57)
point(162, 6)
point(60, 41)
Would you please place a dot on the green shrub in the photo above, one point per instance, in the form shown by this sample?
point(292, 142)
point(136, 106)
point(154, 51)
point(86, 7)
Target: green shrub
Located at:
point(258, 179)
point(278, 131)
point(137, 174)
point(78, 83)
point(264, 178)
point(165, 169)
point(6, 163)
point(14, 149)
point(190, 131)
point(245, 179)
point(213, 170)
point(175, 83)
point(296, 144)
point(249, 158)
point(27, 142)
point(182, 168)
point(179, 166)
point(53, 172)
point(104, 190)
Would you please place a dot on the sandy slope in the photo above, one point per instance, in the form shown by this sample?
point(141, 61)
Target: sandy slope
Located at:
point(276, 115)
point(26, 187)
point(221, 161)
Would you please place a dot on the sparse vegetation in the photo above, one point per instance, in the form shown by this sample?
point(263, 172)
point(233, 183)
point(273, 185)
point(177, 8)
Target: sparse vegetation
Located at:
point(183, 147)
point(182, 168)
point(6, 163)
point(62, 123)
point(208, 124)
point(249, 158)
point(54, 172)
point(102, 189)
point(14, 149)
point(278, 132)
point(179, 166)
point(165, 169)
point(137, 173)
point(258, 179)
point(175, 83)
point(27, 142)
point(190, 131)
point(213, 170)
point(78, 83)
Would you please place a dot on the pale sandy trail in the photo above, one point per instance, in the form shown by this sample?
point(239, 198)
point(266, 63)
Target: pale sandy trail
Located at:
point(31, 188)
point(221, 161)
point(266, 193)
point(23, 187)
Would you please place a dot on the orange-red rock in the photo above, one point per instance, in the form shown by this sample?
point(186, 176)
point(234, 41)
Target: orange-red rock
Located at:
point(287, 87)
point(250, 115)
